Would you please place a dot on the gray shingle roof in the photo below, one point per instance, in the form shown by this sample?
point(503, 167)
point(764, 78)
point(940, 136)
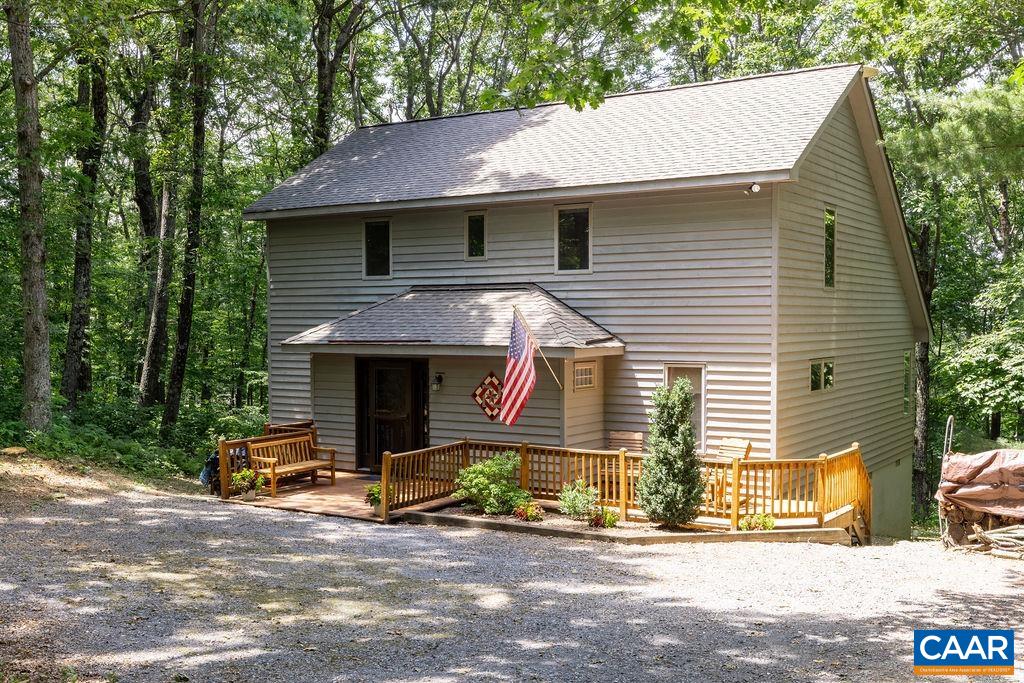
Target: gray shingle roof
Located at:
point(738, 126)
point(469, 315)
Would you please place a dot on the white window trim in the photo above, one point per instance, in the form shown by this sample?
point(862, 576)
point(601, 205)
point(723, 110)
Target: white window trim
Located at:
point(822, 361)
point(590, 242)
point(703, 367)
point(391, 248)
point(835, 248)
point(592, 364)
point(465, 236)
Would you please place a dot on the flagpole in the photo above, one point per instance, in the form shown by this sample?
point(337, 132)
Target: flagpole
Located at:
point(516, 311)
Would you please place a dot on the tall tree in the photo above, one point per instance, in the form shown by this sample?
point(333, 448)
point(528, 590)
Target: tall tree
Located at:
point(335, 24)
point(92, 106)
point(36, 347)
point(204, 21)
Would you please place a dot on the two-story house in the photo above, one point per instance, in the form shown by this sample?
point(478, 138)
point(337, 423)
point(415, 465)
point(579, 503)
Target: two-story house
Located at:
point(743, 233)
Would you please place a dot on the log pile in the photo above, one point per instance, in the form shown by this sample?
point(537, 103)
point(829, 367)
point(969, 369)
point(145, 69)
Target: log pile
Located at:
point(968, 529)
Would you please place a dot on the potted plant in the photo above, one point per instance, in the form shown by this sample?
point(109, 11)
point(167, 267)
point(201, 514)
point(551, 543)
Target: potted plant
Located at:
point(373, 497)
point(247, 482)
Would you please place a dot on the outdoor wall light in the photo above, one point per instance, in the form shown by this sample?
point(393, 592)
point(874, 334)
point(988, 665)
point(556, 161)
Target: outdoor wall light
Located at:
point(754, 187)
point(436, 382)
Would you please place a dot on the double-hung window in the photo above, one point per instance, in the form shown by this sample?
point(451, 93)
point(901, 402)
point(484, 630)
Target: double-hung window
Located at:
point(823, 374)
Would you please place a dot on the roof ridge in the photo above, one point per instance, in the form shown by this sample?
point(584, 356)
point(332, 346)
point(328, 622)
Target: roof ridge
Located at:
point(628, 93)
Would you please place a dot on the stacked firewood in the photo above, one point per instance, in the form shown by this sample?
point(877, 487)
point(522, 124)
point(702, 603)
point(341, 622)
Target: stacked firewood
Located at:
point(981, 532)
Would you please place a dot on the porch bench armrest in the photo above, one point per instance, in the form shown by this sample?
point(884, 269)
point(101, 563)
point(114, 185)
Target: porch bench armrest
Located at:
point(331, 451)
point(266, 461)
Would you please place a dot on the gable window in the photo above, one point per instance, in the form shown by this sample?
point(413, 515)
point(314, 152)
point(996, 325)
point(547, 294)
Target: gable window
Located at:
point(377, 249)
point(823, 374)
point(476, 237)
point(696, 374)
point(908, 381)
point(584, 375)
point(572, 239)
point(830, 247)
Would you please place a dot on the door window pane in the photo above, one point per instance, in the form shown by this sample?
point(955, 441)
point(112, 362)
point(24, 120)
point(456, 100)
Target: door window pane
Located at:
point(574, 239)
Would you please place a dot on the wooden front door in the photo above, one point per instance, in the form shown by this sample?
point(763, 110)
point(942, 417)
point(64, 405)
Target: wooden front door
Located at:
point(391, 408)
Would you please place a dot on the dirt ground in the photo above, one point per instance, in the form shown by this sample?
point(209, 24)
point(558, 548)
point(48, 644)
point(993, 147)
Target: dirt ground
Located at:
point(103, 579)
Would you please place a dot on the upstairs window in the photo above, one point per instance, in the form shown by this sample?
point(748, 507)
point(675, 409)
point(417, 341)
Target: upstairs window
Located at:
point(830, 247)
point(572, 239)
point(694, 373)
point(908, 382)
point(823, 374)
point(377, 249)
point(476, 237)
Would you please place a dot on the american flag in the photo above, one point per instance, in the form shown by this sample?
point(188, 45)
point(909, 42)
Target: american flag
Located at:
point(520, 374)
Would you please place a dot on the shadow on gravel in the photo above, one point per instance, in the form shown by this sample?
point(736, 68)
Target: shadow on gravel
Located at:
point(149, 587)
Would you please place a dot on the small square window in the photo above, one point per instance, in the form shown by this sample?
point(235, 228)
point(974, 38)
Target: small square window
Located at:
point(573, 239)
point(584, 375)
point(377, 249)
point(476, 236)
point(823, 374)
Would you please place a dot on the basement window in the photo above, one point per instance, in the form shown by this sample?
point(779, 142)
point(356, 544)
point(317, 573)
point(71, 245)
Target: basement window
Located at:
point(377, 249)
point(823, 374)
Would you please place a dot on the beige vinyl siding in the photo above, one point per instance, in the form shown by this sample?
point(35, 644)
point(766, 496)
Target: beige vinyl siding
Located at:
point(680, 277)
point(584, 409)
point(334, 404)
point(455, 415)
point(863, 323)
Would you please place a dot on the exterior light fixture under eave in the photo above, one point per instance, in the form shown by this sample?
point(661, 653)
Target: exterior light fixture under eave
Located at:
point(754, 188)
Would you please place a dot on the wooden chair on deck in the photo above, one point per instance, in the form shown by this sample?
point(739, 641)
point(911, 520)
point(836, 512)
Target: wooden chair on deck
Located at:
point(728, 448)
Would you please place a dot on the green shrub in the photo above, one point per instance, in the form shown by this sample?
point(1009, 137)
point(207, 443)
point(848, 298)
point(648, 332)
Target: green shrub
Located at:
point(247, 480)
point(577, 500)
point(490, 485)
point(373, 494)
point(530, 511)
point(758, 522)
point(671, 486)
point(603, 518)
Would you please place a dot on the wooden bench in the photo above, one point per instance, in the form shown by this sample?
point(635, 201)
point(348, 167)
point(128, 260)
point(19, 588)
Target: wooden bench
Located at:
point(234, 453)
point(289, 456)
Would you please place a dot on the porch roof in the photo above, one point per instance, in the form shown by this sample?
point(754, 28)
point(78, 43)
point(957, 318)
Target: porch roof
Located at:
point(458, 316)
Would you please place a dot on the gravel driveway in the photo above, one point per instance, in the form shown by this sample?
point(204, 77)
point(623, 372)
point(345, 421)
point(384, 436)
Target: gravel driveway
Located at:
point(144, 586)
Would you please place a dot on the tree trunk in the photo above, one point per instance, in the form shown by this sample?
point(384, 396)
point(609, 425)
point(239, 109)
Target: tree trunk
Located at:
point(143, 193)
point(922, 490)
point(156, 338)
point(995, 425)
point(179, 362)
point(92, 96)
point(250, 323)
point(36, 349)
point(329, 53)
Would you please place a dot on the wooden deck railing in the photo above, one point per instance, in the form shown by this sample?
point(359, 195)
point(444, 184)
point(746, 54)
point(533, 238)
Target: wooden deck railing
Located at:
point(785, 489)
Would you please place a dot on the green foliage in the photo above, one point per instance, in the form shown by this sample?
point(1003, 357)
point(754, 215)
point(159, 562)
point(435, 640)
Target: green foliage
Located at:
point(373, 494)
point(93, 445)
point(603, 518)
point(757, 522)
point(577, 500)
point(489, 485)
point(671, 487)
point(246, 480)
point(530, 511)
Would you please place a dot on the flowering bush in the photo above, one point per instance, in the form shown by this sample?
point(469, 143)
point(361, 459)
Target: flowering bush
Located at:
point(603, 518)
point(530, 511)
point(758, 522)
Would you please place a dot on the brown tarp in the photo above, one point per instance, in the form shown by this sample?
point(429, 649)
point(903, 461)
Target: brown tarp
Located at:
point(991, 482)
